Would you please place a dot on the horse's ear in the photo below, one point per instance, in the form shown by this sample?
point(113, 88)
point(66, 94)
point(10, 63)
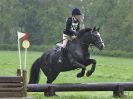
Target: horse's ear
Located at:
point(98, 29)
point(94, 28)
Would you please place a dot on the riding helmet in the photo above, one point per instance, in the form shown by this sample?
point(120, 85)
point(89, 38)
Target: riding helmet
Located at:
point(76, 11)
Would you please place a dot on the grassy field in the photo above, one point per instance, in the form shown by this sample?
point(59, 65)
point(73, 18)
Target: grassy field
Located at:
point(109, 69)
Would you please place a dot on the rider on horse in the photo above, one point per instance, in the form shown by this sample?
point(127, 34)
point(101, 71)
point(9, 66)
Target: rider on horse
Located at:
point(71, 30)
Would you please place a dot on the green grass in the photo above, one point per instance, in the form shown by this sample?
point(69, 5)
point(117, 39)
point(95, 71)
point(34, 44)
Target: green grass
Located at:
point(109, 69)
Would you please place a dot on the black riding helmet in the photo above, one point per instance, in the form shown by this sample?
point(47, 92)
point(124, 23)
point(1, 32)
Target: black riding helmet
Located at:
point(76, 11)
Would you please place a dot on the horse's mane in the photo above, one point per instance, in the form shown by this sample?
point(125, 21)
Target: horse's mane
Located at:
point(83, 31)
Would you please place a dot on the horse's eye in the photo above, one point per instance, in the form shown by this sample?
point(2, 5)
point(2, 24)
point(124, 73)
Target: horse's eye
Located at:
point(95, 35)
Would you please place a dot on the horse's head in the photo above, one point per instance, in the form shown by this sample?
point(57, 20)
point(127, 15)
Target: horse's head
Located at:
point(91, 36)
point(96, 38)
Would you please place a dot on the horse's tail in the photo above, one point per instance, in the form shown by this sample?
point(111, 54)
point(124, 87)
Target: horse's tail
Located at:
point(35, 72)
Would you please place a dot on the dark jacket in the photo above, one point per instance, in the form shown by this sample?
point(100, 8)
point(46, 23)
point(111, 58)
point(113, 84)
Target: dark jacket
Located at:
point(72, 26)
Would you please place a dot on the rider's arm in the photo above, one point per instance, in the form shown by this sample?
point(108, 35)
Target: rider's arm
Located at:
point(69, 31)
point(78, 28)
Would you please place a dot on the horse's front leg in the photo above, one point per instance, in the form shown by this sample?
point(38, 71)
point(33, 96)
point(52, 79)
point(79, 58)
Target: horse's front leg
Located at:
point(81, 74)
point(93, 62)
point(79, 65)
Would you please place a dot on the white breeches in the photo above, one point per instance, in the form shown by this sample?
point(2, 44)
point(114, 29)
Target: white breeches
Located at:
point(66, 38)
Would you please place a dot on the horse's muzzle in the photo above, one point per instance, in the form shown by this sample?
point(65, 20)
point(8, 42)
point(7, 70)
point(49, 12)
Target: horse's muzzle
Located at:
point(102, 46)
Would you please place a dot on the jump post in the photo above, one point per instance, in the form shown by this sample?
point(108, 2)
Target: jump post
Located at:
point(13, 86)
point(118, 88)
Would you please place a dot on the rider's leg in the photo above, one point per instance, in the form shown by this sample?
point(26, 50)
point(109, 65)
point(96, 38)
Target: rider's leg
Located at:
point(65, 40)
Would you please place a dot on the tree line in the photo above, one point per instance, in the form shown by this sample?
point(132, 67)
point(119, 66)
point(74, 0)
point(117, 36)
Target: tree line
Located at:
point(45, 20)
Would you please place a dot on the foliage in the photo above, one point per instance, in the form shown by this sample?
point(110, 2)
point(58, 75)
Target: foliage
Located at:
point(44, 20)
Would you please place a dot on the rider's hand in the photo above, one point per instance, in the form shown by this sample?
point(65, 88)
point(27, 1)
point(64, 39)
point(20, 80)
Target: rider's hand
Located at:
point(75, 33)
point(74, 37)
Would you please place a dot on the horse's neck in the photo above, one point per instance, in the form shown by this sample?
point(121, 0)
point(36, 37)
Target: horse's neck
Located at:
point(80, 44)
point(76, 47)
point(84, 42)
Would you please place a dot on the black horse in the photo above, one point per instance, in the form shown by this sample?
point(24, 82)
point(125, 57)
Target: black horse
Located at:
point(77, 56)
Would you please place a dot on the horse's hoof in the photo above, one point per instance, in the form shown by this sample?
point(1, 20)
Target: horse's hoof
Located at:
point(88, 74)
point(79, 75)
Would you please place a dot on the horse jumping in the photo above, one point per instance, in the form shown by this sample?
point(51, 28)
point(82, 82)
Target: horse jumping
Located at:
point(77, 56)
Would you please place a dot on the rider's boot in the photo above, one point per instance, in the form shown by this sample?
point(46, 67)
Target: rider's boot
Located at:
point(61, 58)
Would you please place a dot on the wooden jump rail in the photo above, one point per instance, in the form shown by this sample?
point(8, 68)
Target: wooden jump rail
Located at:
point(118, 88)
point(13, 86)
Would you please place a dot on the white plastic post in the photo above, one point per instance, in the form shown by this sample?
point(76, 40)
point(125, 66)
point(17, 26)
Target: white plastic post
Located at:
point(19, 54)
point(25, 60)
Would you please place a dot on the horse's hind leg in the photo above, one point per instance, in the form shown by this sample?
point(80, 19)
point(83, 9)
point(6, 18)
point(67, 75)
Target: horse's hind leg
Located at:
point(48, 73)
point(52, 77)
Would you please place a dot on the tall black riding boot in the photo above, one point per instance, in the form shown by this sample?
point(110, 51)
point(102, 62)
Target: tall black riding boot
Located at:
point(61, 58)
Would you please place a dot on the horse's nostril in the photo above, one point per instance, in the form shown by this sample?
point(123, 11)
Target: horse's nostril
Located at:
point(101, 47)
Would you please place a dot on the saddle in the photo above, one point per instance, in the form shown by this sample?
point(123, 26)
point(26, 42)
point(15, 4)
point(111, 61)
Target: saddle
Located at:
point(59, 47)
point(62, 53)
